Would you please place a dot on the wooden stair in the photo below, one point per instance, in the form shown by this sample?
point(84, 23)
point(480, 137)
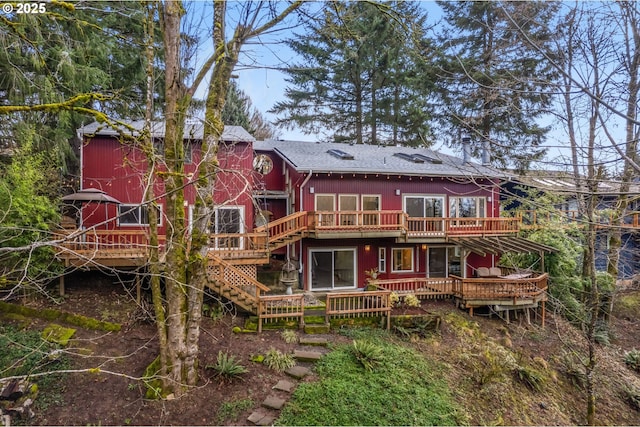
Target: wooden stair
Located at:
point(234, 284)
point(286, 230)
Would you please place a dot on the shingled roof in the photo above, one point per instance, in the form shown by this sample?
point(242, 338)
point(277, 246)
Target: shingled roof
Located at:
point(191, 131)
point(324, 157)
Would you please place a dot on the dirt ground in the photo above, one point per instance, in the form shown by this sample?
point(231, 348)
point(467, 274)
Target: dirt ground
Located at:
point(115, 396)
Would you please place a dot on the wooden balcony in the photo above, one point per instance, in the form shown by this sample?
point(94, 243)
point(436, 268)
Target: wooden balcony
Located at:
point(131, 248)
point(353, 224)
point(460, 227)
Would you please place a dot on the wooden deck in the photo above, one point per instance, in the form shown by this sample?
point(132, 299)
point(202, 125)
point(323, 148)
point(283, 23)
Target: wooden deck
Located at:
point(502, 293)
point(126, 248)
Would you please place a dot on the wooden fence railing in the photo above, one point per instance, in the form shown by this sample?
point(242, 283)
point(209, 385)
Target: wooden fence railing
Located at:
point(279, 307)
point(358, 304)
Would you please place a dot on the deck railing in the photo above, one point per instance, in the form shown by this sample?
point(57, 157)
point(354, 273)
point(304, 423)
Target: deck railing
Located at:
point(440, 227)
point(359, 221)
point(499, 288)
point(344, 305)
point(422, 287)
point(279, 307)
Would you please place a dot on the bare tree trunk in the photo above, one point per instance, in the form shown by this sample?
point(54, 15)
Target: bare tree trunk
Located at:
point(629, 17)
point(155, 269)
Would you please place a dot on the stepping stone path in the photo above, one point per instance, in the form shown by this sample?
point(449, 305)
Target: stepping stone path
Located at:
point(267, 413)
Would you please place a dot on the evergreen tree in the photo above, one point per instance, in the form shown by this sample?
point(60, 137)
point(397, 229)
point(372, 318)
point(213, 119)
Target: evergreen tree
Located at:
point(494, 85)
point(239, 111)
point(71, 49)
point(363, 74)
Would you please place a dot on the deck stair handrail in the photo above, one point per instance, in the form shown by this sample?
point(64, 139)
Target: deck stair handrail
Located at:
point(234, 284)
point(285, 230)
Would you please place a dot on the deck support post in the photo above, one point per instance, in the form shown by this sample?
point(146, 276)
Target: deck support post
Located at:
point(471, 311)
point(543, 313)
point(138, 290)
point(61, 285)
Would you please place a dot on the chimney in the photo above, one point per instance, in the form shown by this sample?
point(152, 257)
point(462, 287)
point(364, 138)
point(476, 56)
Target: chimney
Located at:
point(466, 149)
point(486, 154)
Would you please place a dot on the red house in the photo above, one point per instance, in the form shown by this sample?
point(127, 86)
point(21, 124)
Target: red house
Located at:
point(341, 213)
point(406, 212)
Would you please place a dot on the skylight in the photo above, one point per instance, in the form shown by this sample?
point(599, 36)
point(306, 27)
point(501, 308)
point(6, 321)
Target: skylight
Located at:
point(418, 158)
point(340, 154)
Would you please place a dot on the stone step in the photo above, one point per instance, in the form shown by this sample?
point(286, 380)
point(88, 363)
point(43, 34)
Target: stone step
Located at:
point(307, 356)
point(261, 419)
point(273, 402)
point(314, 341)
point(284, 385)
point(311, 329)
point(298, 372)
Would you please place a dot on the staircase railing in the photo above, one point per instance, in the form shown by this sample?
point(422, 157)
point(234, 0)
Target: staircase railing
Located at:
point(235, 284)
point(283, 228)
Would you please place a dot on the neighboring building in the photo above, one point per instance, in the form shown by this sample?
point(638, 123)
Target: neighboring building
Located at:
point(562, 185)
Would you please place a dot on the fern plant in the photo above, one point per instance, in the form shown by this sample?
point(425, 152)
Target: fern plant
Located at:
point(632, 359)
point(278, 361)
point(367, 353)
point(227, 366)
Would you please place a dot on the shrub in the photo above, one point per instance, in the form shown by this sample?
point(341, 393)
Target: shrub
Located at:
point(632, 359)
point(227, 366)
point(367, 353)
point(278, 361)
point(411, 301)
point(394, 298)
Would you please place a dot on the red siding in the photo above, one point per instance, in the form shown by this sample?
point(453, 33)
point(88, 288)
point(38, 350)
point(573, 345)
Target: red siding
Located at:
point(119, 170)
point(386, 186)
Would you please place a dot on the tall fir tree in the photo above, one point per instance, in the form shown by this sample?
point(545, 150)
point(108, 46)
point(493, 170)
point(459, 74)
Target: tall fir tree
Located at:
point(492, 84)
point(363, 75)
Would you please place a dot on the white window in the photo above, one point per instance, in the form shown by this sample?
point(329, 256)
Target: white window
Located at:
point(402, 260)
point(228, 220)
point(382, 260)
point(136, 215)
point(349, 203)
point(467, 207)
point(371, 205)
point(326, 204)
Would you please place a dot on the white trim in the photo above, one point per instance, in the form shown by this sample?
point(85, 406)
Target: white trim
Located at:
point(333, 200)
point(377, 196)
point(382, 251)
point(354, 196)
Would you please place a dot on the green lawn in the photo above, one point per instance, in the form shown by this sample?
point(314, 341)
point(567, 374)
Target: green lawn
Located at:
point(403, 388)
